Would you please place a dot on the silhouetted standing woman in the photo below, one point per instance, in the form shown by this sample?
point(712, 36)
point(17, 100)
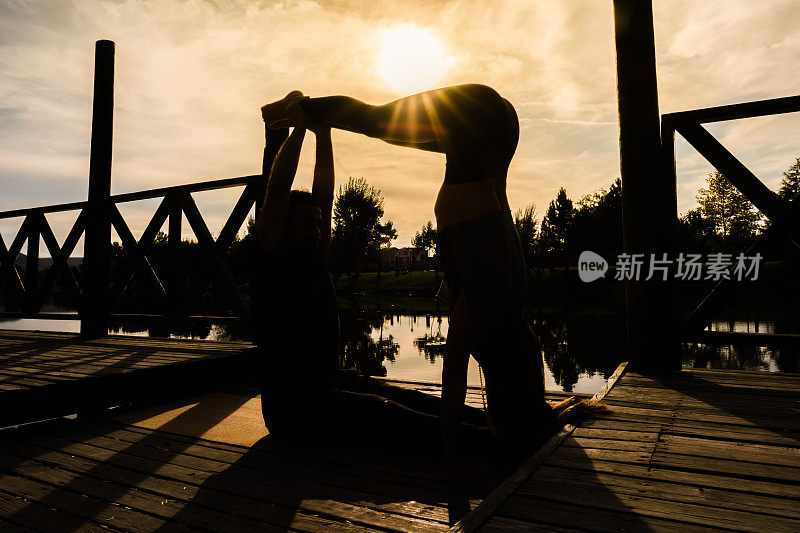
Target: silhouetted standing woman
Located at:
point(485, 270)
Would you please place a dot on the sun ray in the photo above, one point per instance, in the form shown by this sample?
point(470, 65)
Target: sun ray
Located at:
point(445, 99)
point(412, 119)
point(437, 127)
point(394, 125)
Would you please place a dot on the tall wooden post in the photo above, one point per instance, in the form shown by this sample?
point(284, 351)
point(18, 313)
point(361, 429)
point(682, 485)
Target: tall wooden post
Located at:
point(648, 193)
point(32, 263)
point(97, 246)
point(174, 277)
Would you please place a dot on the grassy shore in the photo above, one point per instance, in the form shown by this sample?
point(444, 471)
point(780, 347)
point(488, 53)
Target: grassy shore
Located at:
point(561, 292)
point(417, 283)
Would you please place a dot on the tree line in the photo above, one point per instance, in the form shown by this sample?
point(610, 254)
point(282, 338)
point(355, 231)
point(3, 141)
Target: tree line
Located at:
point(724, 220)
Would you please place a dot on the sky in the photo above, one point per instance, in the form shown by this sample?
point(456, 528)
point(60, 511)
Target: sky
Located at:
point(191, 76)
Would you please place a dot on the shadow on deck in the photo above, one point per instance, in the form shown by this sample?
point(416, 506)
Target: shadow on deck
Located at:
point(202, 462)
point(206, 464)
point(696, 450)
point(47, 374)
point(693, 451)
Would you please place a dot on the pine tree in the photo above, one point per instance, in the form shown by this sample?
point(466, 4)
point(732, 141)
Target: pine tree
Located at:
point(425, 238)
point(733, 215)
point(695, 232)
point(597, 223)
point(556, 223)
point(525, 222)
point(790, 184)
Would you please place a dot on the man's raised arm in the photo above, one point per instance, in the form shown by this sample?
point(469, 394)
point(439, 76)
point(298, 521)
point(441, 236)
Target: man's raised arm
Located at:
point(322, 189)
point(272, 219)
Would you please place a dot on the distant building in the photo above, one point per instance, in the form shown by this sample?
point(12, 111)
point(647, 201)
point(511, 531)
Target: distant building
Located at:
point(403, 258)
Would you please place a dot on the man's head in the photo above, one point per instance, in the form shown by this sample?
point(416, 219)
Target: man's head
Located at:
point(303, 221)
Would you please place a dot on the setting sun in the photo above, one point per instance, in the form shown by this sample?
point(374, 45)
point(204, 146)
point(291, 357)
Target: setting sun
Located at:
point(412, 59)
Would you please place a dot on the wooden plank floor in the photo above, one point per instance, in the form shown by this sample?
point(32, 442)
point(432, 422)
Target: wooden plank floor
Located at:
point(694, 451)
point(126, 477)
point(200, 463)
point(46, 374)
point(474, 396)
point(154, 470)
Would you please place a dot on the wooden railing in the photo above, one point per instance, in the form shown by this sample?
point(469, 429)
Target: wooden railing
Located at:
point(783, 214)
point(175, 202)
point(100, 213)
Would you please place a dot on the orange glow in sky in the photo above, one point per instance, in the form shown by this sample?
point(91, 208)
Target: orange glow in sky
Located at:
point(412, 59)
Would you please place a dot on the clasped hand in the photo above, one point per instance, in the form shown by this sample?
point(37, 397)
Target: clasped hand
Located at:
point(294, 115)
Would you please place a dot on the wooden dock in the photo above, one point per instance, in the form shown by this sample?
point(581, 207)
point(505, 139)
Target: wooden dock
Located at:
point(87, 475)
point(198, 463)
point(46, 374)
point(697, 450)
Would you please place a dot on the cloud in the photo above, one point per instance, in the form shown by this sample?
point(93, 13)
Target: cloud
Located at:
point(191, 75)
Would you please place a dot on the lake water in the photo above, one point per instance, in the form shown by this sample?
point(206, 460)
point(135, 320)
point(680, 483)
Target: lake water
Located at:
point(579, 352)
point(419, 343)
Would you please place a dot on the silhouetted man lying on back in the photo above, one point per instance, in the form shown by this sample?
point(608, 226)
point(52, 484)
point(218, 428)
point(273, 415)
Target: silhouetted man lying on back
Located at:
point(297, 318)
point(304, 394)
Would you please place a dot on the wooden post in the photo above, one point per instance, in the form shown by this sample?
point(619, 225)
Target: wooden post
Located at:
point(32, 263)
point(97, 249)
point(648, 192)
point(174, 255)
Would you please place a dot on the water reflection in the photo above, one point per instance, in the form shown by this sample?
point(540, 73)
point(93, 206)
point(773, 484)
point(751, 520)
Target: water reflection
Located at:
point(730, 357)
point(360, 348)
point(421, 339)
point(774, 358)
point(580, 350)
point(431, 345)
